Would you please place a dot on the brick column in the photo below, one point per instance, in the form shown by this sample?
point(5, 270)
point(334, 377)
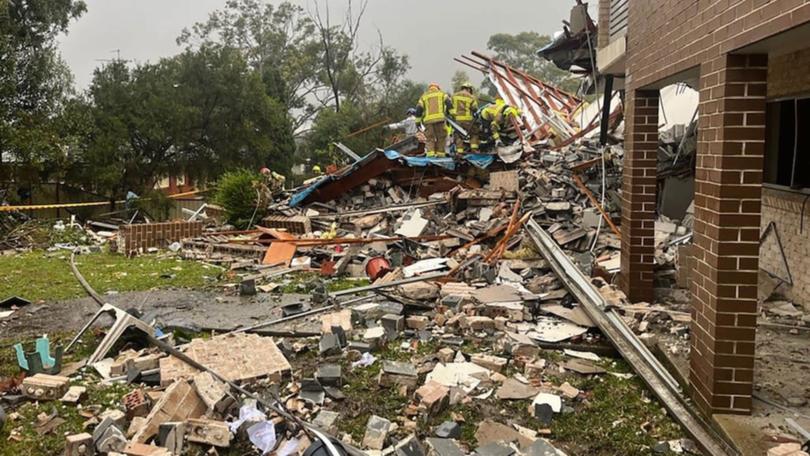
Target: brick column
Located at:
point(638, 194)
point(728, 188)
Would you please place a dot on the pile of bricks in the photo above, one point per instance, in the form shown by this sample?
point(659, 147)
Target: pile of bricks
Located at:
point(298, 224)
point(138, 237)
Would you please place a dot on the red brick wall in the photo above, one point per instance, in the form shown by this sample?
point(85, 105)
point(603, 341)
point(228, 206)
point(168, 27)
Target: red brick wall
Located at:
point(673, 39)
point(134, 238)
point(638, 195)
point(666, 37)
point(728, 181)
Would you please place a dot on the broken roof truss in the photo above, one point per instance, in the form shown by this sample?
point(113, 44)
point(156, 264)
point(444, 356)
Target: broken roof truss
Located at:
point(547, 111)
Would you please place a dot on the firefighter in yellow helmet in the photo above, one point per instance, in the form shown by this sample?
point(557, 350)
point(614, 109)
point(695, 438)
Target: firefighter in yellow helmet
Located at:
point(316, 170)
point(465, 105)
point(432, 110)
point(496, 117)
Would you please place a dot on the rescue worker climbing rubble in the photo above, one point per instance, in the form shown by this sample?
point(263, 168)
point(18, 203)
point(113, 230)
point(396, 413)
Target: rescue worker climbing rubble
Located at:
point(272, 184)
point(465, 105)
point(432, 110)
point(496, 118)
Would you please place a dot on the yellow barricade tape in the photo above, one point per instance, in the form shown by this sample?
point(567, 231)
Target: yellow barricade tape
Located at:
point(37, 207)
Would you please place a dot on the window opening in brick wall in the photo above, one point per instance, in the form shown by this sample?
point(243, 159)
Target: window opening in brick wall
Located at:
point(787, 156)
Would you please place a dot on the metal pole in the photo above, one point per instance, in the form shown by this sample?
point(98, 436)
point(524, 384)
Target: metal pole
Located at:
point(603, 130)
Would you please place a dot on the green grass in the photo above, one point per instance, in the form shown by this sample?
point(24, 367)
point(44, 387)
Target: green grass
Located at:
point(41, 275)
point(107, 396)
point(619, 417)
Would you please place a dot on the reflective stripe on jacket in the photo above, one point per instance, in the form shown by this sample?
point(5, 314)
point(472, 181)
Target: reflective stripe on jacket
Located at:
point(464, 105)
point(433, 104)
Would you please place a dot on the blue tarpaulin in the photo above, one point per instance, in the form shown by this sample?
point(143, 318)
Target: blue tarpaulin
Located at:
point(478, 160)
point(302, 194)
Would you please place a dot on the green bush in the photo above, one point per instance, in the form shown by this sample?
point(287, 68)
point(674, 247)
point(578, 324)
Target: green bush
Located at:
point(236, 193)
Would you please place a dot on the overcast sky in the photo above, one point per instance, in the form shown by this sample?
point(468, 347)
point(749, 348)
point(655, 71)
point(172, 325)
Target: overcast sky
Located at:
point(430, 32)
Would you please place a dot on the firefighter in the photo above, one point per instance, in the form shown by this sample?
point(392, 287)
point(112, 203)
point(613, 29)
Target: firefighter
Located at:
point(465, 105)
point(410, 124)
point(432, 112)
point(316, 170)
point(497, 117)
point(273, 181)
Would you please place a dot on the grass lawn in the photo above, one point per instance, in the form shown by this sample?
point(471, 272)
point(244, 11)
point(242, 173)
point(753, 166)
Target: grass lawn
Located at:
point(41, 275)
point(31, 443)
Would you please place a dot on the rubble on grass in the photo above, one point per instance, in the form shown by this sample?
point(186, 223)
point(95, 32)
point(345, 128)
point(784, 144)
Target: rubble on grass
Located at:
point(498, 326)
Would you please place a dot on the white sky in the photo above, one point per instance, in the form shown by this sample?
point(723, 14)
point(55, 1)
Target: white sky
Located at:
point(430, 32)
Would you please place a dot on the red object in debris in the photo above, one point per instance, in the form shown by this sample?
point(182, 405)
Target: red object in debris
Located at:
point(328, 268)
point(376, 267)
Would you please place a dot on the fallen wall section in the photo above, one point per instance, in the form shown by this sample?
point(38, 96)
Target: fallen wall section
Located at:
point(133, 238)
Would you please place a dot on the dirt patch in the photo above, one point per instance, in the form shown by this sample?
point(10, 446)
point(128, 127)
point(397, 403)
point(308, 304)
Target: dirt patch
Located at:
point(195, 310)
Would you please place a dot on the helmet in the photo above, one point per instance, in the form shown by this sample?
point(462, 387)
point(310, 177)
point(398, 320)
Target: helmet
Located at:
point(468, 85)
point(499, 101)
point(434, 85)
point(411, 112)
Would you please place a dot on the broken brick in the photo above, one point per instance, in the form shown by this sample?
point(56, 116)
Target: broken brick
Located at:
point(44, 387)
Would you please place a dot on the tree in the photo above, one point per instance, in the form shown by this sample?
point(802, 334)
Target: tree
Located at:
point(230, 121)
point(201, 112)
point(34, 81)
point(307, 60)
point(520, 51)
point(278, 42)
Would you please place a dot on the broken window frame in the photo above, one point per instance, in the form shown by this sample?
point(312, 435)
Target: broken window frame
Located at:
point(796, 140)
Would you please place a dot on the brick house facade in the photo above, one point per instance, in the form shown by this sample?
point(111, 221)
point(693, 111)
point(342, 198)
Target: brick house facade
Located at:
point(741, 56)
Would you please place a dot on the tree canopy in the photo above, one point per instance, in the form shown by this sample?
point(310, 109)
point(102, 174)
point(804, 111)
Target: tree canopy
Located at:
point(520, 51)
point(34, 82)
point(200, 112)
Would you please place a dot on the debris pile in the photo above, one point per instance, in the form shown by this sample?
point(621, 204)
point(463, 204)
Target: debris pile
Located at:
point(450, 304)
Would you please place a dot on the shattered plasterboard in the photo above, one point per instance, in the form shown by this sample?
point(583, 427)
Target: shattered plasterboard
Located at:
point(237, 357)
point(412, 226)
point(554, 330)
point(421, 267)
point(466, 376)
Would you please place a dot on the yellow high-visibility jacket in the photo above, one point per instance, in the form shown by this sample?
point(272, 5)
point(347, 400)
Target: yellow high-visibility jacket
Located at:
point(433, 106)
point(464, 105)
point(495, 116)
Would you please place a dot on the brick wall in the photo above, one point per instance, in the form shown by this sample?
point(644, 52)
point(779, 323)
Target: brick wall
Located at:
point(666, 37)
point(639, 195)
point(728, 180)
point(669, 39)
point(785, 210)
point(788, 75)
point(134, 238)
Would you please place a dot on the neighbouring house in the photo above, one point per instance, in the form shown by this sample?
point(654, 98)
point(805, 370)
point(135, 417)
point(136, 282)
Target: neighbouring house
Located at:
point(173, 185)
point(749, 59)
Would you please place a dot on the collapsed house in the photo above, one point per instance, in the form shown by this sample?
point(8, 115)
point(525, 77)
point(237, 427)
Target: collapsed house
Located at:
point(558, 241)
